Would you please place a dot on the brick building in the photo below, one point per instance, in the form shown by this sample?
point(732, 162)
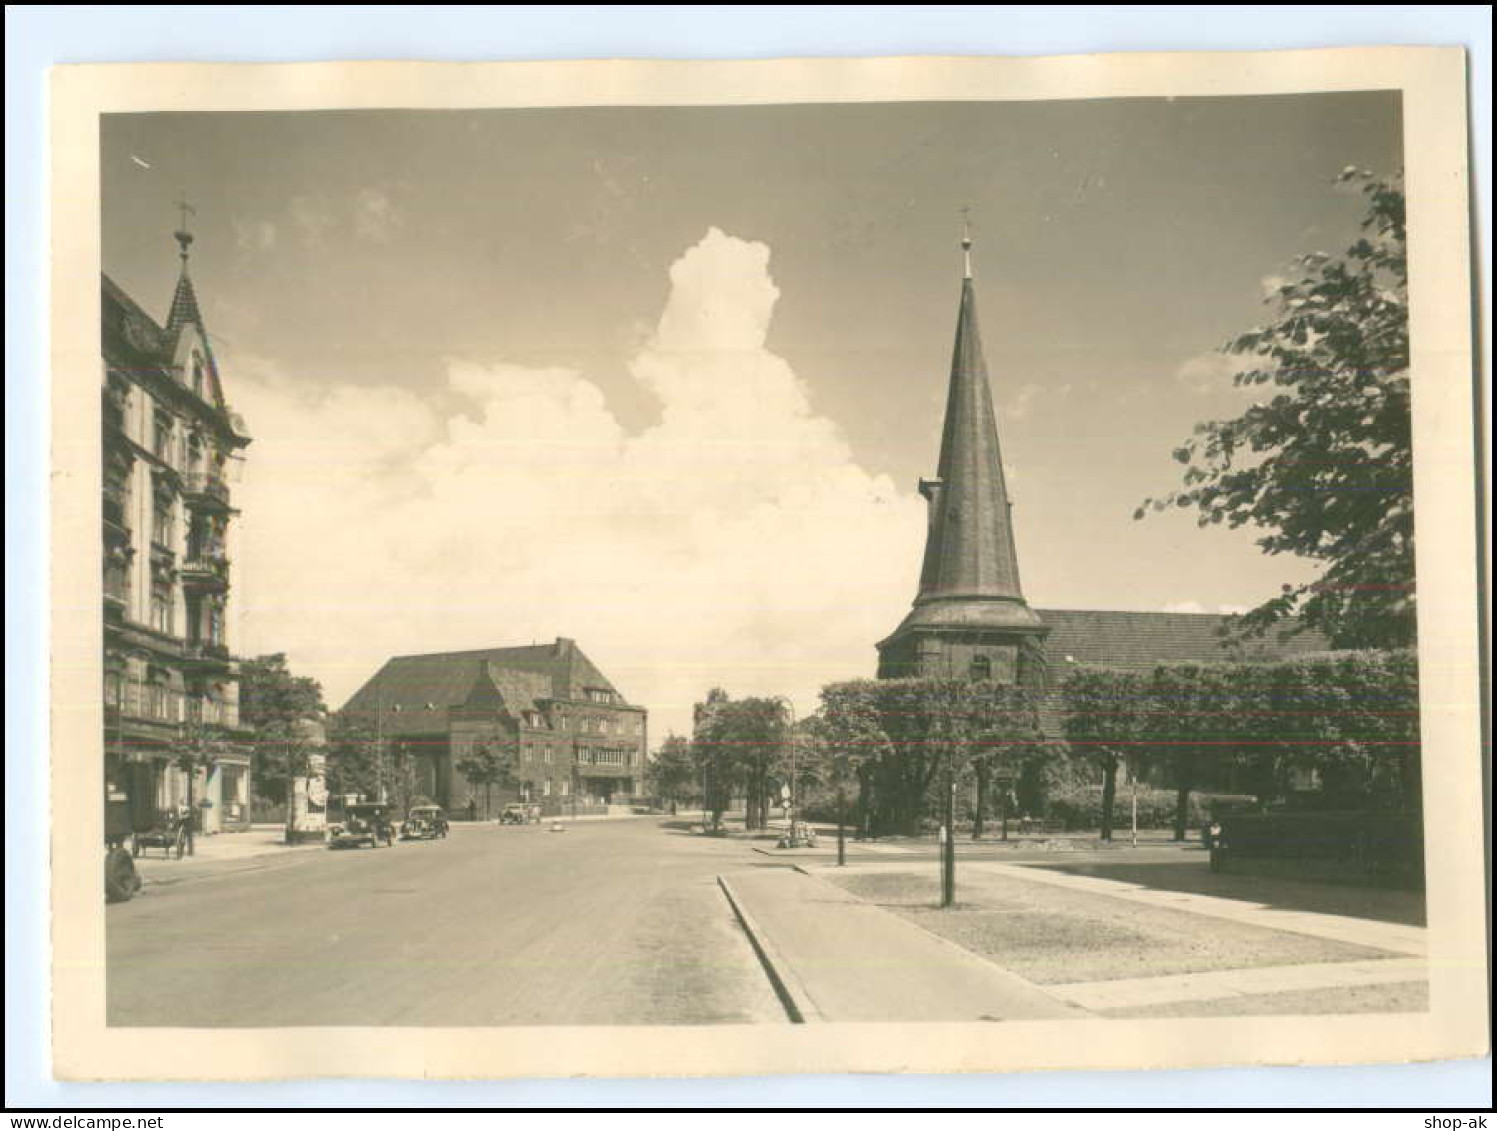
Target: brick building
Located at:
point(170, 682)
point(575, 740)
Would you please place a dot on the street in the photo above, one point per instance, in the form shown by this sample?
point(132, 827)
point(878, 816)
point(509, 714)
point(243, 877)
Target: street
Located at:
point(609, 923)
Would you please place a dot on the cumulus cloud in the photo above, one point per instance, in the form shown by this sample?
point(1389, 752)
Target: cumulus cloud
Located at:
point(736, 542)
point(255, 235)
point(311, 217)
point(375, 216)
point(1018, 408)
point(1209, 372)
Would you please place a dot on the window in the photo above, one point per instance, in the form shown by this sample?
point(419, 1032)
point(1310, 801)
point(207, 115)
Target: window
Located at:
point(566, 788)
point(117, 491)
point(161, 439)
point(598, 695)
point(161, 605)
point(159, 704)
point(197, 373)
point(117, 401)
point(547, 754)
point(162, 525)
point(982, 667)
point(546, 788)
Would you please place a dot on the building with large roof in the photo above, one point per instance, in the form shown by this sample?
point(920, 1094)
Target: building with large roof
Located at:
point(574, 739)
point(970, 618)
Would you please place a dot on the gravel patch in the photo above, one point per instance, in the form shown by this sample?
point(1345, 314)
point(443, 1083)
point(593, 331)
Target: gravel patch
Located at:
point(1050, 935)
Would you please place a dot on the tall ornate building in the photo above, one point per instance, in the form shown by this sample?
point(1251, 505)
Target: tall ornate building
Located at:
point(170, 684)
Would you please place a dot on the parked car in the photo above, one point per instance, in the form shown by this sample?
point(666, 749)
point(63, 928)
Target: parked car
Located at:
point(515, 814)
point(424, 822)
point(362, 824)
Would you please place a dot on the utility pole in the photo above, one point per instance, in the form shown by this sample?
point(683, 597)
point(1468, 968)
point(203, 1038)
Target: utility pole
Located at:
point(841, 824)
point(948, 846)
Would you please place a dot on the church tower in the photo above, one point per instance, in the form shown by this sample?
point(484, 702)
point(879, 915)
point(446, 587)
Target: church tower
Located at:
point(970, 619)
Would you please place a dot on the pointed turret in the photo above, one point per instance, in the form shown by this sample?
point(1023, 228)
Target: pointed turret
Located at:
point(184, 311)
point(969, 580)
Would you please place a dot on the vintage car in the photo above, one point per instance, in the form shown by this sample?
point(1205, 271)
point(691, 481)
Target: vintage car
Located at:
point(424, 822)
point(362, 824)
point(515, 814)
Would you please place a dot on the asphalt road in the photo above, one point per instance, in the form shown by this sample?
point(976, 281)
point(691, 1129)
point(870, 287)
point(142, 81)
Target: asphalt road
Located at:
point(611, 922)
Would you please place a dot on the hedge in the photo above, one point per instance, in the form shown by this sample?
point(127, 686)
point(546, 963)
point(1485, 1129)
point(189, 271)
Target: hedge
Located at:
point(1351, 716)
point(1082, 808)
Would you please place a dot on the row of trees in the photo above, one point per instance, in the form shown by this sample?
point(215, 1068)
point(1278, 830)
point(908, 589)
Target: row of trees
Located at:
point(891, 747)
point(881, 744)
point(1350, 718)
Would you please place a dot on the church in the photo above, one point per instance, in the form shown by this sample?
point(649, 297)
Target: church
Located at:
point(970, 618)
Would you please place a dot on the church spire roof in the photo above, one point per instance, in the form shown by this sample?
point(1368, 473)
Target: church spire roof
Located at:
point(184, 309)
point(969, 550)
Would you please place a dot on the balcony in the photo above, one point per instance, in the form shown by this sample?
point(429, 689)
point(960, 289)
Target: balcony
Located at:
point(205, 654)
point(205, 569)
point(205, 488)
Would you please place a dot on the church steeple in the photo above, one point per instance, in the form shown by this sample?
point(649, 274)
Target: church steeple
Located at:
point(184, 309)
point(969, 594)
point(969, 550)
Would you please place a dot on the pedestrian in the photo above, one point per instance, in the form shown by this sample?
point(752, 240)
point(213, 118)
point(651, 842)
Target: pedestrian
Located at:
point(472, 808)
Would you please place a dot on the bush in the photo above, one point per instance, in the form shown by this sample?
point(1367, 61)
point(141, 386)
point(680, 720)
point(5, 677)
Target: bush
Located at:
point(1081, 808)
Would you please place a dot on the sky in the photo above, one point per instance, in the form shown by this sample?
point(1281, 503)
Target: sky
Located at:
point(663, 380)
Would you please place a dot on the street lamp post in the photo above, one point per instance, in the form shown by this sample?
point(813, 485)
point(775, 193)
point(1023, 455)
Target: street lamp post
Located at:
point(790, 738)
point(948, 846)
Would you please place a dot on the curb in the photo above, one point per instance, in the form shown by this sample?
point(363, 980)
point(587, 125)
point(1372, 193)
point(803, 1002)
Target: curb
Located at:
point(1044, 991)
point(798, 1004)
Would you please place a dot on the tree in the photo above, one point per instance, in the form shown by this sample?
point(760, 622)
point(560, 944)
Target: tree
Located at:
point(854, 738)
point(740, 740)
point(1006, 737)
point(1324, 468)
point(200, 749)
point(1105, 721)
point(353, 756)
point(271, 700)
point(711, 758)
point(672, 772)
point(488, 765)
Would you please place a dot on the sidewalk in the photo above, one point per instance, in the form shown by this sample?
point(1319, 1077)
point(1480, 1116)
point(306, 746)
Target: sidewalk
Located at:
point(253, 848)
point(1398, 938)
point(838, 958)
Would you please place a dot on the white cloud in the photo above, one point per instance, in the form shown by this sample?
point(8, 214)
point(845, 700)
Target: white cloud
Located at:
point(1197, 607)
point(255, 235)
point(1270, 285)
point(1023, 401)
point(735, 542)
point(375, 216)
point(1209, 372)
point(1184, 607)
point(312, 217)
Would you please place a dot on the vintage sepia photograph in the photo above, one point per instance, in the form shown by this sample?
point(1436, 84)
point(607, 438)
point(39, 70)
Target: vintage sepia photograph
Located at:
point(759, 565)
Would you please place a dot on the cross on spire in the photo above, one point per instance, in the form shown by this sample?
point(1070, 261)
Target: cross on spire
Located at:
point(183, 236)
point(967, 240)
